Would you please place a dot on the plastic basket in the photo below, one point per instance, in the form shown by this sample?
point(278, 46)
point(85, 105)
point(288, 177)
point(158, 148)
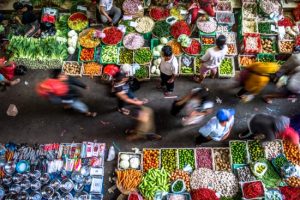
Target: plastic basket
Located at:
point(147, 66)
point(112, 62)
point(147, 63)
point(79, 53)
point(183, 189)
point(124, 49)
point(154, 42)
point(220, 15)
point(139, 155)
point(232, 72)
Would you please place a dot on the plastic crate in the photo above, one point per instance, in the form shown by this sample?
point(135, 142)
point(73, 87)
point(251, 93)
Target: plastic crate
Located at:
point(279, 142)
point(176, 153)
point(79, 53)
point(239, 59)
point(254, 13)
point(112, 62)
point(212, 160)
point(244, 30)
point(261, 56)
point(220, 15)
point(147, 66)
point(132, 155)
point(271, 22)
point(154, 42)
point(194, 155)
point(121, 49)
point(214, 156)
point(79, 65)
point(285, 52)
point(235, 49)
point(147, 36)
point(100, 69)
point(143, 63)
point(249, 156)
point(232, 72)
point(274, 43)
point(257, 198)
point(145, 149)
point(207, 36)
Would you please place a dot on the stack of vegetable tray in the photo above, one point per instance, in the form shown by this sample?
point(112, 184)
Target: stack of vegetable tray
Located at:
point(227, 68)
point(72, 68)
point(238, 153)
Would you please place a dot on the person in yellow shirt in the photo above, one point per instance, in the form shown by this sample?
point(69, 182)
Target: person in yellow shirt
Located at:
point(255, 77)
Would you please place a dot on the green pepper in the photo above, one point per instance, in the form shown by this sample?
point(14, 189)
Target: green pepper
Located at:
point(126, 56)
point(142, 56)
point(142, 73)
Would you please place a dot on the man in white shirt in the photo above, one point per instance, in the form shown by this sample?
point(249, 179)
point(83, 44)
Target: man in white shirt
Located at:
point(217, 128)
point(168, 70)
point(108, 12)
point(212, 59)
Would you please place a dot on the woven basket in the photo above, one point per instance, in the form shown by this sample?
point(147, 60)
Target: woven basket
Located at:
point(111, 44)
point(77, 13)
point(83, 33)
point(151, 27)
point(183, 49)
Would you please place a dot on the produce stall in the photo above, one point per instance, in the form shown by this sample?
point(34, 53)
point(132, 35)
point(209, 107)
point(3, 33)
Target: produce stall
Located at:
point(244, 170)
point(52, 171)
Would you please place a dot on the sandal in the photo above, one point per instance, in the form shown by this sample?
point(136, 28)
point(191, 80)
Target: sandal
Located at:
point(124, 111)
point(91, 114)
point(267, 100)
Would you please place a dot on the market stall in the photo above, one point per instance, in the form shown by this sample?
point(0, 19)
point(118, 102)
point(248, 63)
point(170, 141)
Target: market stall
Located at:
point(52, 171)
point(244, 170)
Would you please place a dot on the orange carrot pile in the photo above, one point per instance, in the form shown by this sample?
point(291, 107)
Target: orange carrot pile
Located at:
point(129, 179)
point(92, 68)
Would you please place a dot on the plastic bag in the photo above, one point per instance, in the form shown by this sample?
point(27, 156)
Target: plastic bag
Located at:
point(111, 153)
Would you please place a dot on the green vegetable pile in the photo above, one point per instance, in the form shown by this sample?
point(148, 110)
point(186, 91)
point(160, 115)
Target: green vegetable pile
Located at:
point(169, 159)
point(178, 186)
point(271, 179)
point(153, 181)
point(186, 157)
point(126, 56)
point(126, 23)
point(161, 29)
point(197, 64)
point(142, 73)
point(204, 48)
point(226, 67)
point(266, 58)
point(61, 26)
point(265, 27)
point(238, 152)
point(279, 162)
point(109, 54)
point(37, 53)
point(256, 151)
point(142, 56)
point(187, 63)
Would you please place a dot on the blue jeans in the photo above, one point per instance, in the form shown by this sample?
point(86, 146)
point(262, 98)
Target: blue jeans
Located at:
point(77, 105)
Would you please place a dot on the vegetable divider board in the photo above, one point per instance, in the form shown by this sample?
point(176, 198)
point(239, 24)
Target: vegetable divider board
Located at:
point(159, 165)
point(140, 155)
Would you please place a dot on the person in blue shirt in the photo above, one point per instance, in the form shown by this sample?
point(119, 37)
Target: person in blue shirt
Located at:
point(217, 128)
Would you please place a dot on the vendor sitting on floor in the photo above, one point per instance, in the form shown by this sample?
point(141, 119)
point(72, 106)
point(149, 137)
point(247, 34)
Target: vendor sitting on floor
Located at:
point(217, 128)
point(26, 18)
point(108, 13)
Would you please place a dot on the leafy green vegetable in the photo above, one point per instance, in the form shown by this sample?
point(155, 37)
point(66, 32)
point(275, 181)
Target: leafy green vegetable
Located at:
point(161, 29)
point(61, 26)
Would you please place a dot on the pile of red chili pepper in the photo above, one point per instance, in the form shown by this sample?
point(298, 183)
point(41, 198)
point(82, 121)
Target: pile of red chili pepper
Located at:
point(158, 13)
point(286, 21)
point(112, 36)
point(87, 54)
point(133, 197)
point(204, 194)
point(179, 28)
point(194, 48)
point(253, 190)
point(290, 193)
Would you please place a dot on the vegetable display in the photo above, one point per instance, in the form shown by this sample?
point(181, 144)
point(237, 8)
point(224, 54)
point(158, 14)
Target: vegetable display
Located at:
point(187, 63)
point(221, 159)
point(133, 41)
point(290, 193)
point(292, 152)
point(129, 161)
point(179, 28)
point(286, 22)
point(72, 41)
point(87, 54)
point(265, 28)
point(154, 180)
point(112, 36)
point(126, 23)
point(78, 21)
point(175, 11)
point(132, 7)
point(186, 157)
point(245, 60)
point(286, 46)
point(159, 13)
point(61, 26)
point(207, 24)
point(36, 53)
point(194, 48)
point(273, 149)
point(293, 181)
point(268, 45)
point(252, 43)
point(142, 72)
point(244, 174)
point(226, 67)
point(142, 56)
point(109, 54)
point(265, 57)
point(161, 29)
point(253, 190)
point(71, 68)
point(150, 159)
point(270, 6)
point(87, 38)
point(224, 6)
point(92, 69)
point(256, 150)
point(126, 56)
point(129, 179)
point(180, 174)
point(249, 10)
point(231, 49)
point(238, 152)
point(169, 159)
point(155, 67)
point(144, 25)
point(204, 48)
point(197, 64)
point(225, 17)
point(249, 26)
point(279, 162)
point(204, 194)
point(176, 47)
point(209, 40)
point(204, 158)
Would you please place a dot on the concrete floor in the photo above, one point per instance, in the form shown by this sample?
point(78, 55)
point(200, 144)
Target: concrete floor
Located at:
point(40, 122)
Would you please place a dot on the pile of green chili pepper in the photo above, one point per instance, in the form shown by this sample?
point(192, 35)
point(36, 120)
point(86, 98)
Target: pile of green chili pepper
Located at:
point(142, 73)
point(161, 29)
point(126, 56)
point(142, 56)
